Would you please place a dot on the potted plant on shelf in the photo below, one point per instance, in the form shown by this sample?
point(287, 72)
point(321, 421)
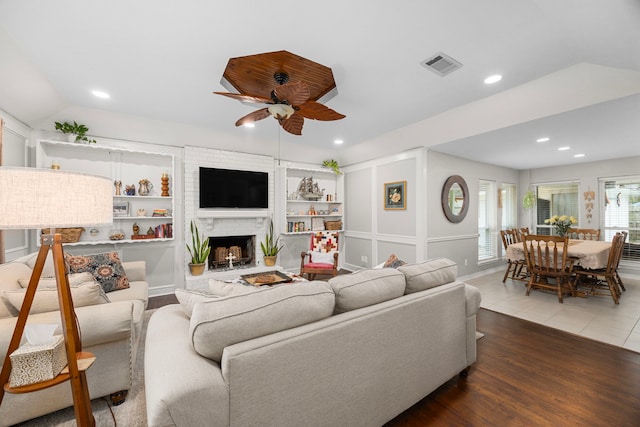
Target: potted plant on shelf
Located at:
point(76, 132)
point(199, 251)
point(333, 165)
point(270, 247)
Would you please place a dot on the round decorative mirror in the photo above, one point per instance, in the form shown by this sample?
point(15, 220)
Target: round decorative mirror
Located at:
point(455, 198)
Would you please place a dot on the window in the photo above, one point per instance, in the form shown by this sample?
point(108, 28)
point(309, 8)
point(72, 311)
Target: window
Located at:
point(487, 221)
point(555, 199)
point(622, 213)
point(509, 204)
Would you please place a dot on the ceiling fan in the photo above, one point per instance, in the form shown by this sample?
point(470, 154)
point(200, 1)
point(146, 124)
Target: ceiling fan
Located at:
point(289, 104)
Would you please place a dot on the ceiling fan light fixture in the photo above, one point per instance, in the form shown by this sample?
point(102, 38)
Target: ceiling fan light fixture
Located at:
point(281, 111)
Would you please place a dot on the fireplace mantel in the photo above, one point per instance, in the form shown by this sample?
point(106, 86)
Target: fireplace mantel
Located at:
point(209, 215)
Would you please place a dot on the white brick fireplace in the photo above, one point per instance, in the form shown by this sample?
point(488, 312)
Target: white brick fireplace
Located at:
point(224, 222)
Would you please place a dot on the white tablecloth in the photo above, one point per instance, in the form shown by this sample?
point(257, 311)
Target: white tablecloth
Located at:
point(590, 253)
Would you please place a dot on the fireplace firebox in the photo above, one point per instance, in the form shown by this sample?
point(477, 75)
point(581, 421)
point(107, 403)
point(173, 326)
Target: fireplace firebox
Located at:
point(241, 249)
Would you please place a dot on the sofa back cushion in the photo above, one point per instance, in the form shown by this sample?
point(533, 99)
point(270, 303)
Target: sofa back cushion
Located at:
point(366, 287)
point(10, 274)
point(220, 322)
point(429, 274)
point(46, 299)
point(51, 282)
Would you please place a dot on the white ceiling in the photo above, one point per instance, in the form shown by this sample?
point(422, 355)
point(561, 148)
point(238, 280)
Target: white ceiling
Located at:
point(571, 70)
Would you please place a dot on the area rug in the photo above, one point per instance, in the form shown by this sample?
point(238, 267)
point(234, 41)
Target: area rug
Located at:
point(132, 413)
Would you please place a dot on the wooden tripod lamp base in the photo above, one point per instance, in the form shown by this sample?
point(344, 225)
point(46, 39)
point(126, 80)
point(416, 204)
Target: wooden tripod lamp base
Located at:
point(77, 360)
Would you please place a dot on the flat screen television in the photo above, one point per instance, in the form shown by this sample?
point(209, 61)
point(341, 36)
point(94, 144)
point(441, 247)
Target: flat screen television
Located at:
point(228, 188)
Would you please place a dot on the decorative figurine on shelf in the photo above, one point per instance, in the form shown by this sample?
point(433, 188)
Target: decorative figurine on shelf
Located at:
point(145, 187)
point(230, 258)
point(150, 232)
point(165, 185)
point(142, 212)
point(130, 190)
point(312, 210)
point(136, 228)
point(118, 185)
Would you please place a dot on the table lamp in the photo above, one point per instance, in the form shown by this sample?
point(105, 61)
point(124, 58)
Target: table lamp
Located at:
point(33, 198)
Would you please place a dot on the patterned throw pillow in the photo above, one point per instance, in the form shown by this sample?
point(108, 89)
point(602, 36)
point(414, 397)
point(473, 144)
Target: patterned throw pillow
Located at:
point(393, 262)
point(106, 269)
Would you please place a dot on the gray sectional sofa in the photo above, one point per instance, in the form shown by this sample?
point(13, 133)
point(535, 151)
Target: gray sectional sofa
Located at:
point(110, 328)
point(357, 350)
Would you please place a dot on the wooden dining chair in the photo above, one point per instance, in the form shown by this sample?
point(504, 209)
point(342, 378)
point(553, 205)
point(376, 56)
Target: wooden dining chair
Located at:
point(618, 279)
point(584, 233)
point(602, 281)
point(521, 232)
point(515, 267)
point(549, 266)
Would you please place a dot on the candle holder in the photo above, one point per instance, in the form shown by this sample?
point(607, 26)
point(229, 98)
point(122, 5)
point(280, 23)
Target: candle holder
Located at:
point(165, 185)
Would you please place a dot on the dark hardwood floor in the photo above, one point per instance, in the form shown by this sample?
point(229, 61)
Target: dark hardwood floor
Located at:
point(530, 375)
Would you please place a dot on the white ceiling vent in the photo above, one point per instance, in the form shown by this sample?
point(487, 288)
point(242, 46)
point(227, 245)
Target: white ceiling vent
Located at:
point(441, 64)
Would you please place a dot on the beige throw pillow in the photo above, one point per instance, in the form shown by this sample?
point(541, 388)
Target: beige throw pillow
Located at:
point(189, 298)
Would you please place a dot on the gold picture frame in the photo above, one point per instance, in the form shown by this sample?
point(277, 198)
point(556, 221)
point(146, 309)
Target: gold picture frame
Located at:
point(395, 195)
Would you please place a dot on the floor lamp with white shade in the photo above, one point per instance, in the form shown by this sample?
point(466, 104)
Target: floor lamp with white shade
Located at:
point(33, 198)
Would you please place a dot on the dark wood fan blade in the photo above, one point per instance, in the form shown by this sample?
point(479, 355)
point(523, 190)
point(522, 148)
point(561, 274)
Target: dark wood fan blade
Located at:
point(293, 124)
point(246, 98)
point(260, 114)
point(316, 111)
point(294, 93)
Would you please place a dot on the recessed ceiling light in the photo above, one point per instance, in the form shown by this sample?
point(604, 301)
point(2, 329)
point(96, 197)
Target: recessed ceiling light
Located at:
point(493, 79)
point(100, 94)
point(544, 139)
point(578, 155)
point(249, 125)
point(338, 141)
point(564, 148)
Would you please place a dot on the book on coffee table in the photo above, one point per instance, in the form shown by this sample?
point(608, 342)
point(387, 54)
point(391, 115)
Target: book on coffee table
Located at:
point(266, 278)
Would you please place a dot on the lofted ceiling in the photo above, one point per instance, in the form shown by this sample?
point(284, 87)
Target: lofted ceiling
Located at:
point(571, 70)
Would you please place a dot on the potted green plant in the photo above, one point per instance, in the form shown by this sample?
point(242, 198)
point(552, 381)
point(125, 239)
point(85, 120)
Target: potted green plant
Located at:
point(76, 131)
point(333, 165)
point(199, 251)
point(270, 247)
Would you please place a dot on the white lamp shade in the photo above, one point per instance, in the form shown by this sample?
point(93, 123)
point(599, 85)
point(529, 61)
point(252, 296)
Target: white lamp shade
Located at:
point(36, 198)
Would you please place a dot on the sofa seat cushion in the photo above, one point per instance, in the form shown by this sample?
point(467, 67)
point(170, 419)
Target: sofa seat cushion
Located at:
point(318, 265)
point(137, 290)
point(219, 322)
point(428, 274)
point(46, 299)
point(366, 287)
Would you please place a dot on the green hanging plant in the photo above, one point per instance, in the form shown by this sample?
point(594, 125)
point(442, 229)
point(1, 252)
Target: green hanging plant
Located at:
point(76, 129)
point(333, 165)
point(529, 199)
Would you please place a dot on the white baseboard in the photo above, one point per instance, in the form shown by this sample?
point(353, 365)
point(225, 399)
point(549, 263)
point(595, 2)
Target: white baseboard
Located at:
point(162, 290)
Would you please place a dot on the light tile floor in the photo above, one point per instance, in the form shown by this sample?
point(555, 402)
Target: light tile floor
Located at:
point(595, 317)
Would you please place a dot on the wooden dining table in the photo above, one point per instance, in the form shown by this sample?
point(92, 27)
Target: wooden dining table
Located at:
point(590, 254)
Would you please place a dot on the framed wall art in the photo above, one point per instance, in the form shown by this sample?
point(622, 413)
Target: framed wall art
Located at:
point(120, 208)
point(395, 195)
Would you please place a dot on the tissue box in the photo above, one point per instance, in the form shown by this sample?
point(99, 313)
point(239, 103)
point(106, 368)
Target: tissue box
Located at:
point(36, 363)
